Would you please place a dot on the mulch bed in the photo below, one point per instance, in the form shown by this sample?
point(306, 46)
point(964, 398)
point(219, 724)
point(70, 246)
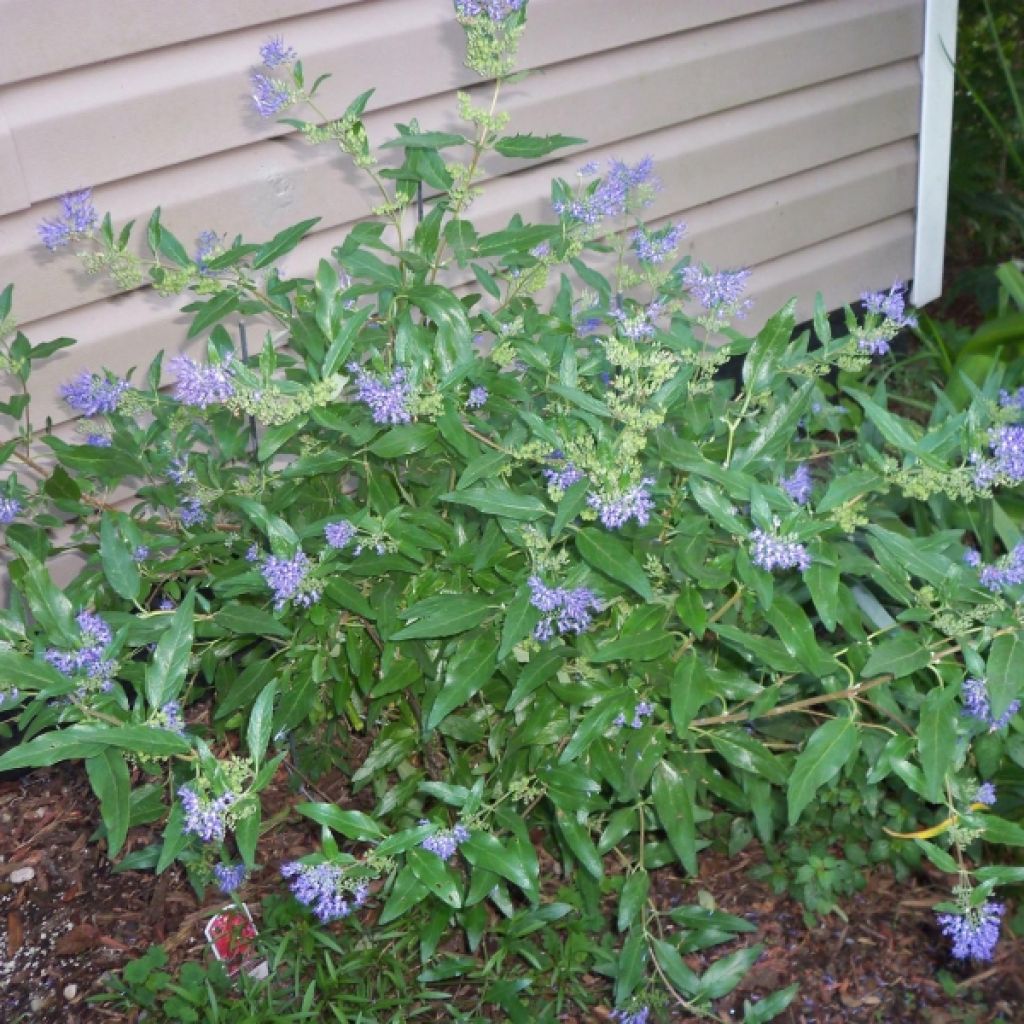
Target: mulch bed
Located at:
point(74, 920)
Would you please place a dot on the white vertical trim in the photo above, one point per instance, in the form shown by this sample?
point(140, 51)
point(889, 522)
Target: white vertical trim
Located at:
point(937, 82)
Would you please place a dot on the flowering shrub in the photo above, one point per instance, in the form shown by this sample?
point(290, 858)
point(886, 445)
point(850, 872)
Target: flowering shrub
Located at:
point(546, 578)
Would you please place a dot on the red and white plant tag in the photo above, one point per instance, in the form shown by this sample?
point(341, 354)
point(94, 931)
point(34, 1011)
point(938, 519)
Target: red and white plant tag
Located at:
point(231, 935)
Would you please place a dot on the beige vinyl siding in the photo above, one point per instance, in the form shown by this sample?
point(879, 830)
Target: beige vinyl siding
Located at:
point(784, 133)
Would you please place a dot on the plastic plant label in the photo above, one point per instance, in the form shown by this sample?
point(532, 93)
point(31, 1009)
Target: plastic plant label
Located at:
point(231, 935)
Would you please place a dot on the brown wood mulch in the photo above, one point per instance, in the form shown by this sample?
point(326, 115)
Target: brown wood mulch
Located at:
point(74, 920)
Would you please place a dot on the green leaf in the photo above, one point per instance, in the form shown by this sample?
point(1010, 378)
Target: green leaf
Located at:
point(208, 313)
point(283, 242)
point(50, 607)
point(795, 631)
point(484, 850)
point(166, 672)
point(771, 1006)
point(499, 501)
point(748, 755)
point(247, 835)
point(822, 579)
point(673, 801)
point(247, 620)
point(108, 776)
point(425, 140)
point(725, 974)
point(936, 738)
point(116, 555)
point(766, 350)
point(675, 968)
point(342, 344)
point(261, 721)
point(1004, 672)
point(140, 739)
point(469, 670)
point(404, 440)
point(22, 671)
point(444, 616)
point(435, 875)
point(900, 656)
point(352, 824)
point(612, 558)
point(529, 147)
point(577, 838)
point(520, 619)
point(174, 838)
point(632, 898)
point(647, 646)
point(828, 749)
point(407, 892)
point(691, 689)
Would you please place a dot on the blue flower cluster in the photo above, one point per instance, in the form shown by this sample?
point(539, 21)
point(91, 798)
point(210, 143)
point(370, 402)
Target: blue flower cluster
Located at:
point(976, 704)
point(445, 842)
point(718, 292)
point(619, 189)
point(640, 1016)
point(890, 307)
point(205, 818)
point(202, 384)
point(339, 535)
point(171, 717)
point(93, 395)
point(207, 246)
point(9, 510)
point(655, 247)
point(975, 932)
point(493, 10)
point(1008, 571)
point(644, 709)
point(192, 513)
point(77, 218)
point(986, 794)
point(289, 580)
point(229, 877)
point(772, 553)
point(1007, 446)
point(565, 475)
point(477, 398)
point(87, 662)
point(9, 696)
point(388, 403)
point(565, 611)
point(274, 53)
point(636, 503)
point(638, 324)
point(800, 485)
point(322, 888)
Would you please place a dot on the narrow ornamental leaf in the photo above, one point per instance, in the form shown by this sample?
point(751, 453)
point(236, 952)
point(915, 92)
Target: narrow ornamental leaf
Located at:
point(486, 851)
point(612, 558)
point(261, 720)
point(499, 501)
point(116, 556)
point(108, 776)
point(632, 898)
point(444, 616)
point(520, 619)
point(577, 838)
point(407, 892)
point(283, 242)
point(166, 672)
point(529, 147)
point(725, 974)
point(900, 656)
point(936, 738)
point(673, 800)
point(469, 670)
point(1004, 672)
point(351, 824)
point(828, 749)
point(436, 875)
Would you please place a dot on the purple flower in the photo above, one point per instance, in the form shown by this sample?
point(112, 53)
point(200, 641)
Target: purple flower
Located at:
point(654, 248)
point(252, 553)
point(202, 384)
point(477, 398)
point(976, 705)
point(205, 818)
point(644, 709)
point(772, 553)
point(612, 195)
point(388, 403)
point(873, 344)
point(589, 326)
point(166, 605)
point(274, 53)
point(799, 485)
point(141, 553)
point(565, 476)
point(639, 324)
point(975, 932)
point(9, 696)
point(565, 611)
point(289, 580)
point(87, 662)
point(445, 842)
point(1012, 400)
point(93, 628)
point(270, 95)
point(640, 1016)
point(207, 245)
point(90, 394)
point(1007, 445)
point(178, 470)
point(1008, 571)
point(78, 217)
point(324, 888)
point(9, 510)
point(718, 292)
point(493, 10)
point(636, 503)
point(891, 306)
point(339, 534)
point(986, 794)
point(172, 717)
point(229, 877)
point(972, 557)
point(95, 440)
point(191, 512)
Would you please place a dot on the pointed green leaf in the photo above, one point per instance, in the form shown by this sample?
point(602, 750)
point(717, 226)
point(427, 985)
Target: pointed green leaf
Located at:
point(828, 749)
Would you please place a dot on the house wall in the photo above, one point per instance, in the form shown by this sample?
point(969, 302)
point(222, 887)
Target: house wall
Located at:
point(785, 134)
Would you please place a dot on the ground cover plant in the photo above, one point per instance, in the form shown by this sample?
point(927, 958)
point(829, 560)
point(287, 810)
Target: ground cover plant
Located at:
point(573, 576)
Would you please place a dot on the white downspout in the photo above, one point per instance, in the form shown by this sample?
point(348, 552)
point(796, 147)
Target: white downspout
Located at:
point(937, 82)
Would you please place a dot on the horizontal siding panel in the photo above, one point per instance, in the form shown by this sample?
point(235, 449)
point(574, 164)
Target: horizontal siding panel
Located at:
point(13, 190)
point(87, 36)
point(271, 184)
point(109, 121)
point(755, 227)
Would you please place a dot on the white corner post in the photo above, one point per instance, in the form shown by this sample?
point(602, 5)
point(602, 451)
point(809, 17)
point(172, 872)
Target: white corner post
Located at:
point(937, 82)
